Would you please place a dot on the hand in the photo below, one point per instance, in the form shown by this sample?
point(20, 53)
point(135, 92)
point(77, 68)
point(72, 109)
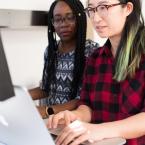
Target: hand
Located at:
point(63, 118)
point(41, 110)
point(79, 132)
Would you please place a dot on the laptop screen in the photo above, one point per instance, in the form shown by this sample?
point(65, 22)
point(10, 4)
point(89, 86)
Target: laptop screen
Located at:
point(6, 87)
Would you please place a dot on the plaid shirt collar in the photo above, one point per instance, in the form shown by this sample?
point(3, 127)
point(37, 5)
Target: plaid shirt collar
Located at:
point(106, 49)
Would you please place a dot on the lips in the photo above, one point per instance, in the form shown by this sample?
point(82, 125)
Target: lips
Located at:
point(100, 27)
point(65, 33)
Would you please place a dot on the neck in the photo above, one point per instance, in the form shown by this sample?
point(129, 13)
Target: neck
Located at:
point(114, 44)
point(66, 46)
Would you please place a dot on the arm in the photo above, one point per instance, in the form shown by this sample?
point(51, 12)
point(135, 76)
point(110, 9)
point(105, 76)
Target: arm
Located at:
point(37, 93)
point(71, 105)
point(81, 110)
point(131, 127)
point(83, 113)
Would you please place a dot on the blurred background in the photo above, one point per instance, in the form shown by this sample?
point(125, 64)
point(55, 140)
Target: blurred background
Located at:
point(23, 28)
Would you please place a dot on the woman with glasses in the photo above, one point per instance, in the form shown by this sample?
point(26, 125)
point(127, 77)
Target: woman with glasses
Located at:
point(64, 59)
point(112, 100)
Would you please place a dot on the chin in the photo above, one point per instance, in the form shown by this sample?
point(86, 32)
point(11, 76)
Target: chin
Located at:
point(65, 38)
point(103, 36)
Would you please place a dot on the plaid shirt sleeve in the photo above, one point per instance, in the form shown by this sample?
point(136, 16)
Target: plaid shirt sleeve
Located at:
point(133, 93)
point(84, 99)
point(86, 86)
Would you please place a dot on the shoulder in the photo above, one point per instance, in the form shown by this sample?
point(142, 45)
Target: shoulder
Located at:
point(97, 52)
point(94, 56)
point(90, 46)
point(47, 49)
point(91, 43)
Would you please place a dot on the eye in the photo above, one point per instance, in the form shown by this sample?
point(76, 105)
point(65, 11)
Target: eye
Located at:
point(57, 19)
point(71, 17)
point(90, 10)
point(102, 7)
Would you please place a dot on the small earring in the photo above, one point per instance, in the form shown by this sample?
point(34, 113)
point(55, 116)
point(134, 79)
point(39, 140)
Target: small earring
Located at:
point(79, 14)
point(49, 31)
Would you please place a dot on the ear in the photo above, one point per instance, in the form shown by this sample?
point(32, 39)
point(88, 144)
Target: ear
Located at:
point(129, 8)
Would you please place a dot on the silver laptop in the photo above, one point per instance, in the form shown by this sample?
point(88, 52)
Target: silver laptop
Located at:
point(20, 122)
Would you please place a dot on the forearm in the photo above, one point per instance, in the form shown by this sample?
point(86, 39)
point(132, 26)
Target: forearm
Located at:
point(71, 105)
point(37, 93)
point(83, 113)
point(42, 111)
point(128, 128)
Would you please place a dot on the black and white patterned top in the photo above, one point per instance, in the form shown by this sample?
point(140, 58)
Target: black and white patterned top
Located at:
point(60, 90)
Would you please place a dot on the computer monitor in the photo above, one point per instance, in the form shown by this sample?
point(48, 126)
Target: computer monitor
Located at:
point(20, 122)
point(6, 89)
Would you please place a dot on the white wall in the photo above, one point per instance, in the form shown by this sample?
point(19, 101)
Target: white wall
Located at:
point(25, 4)
point(44, 6)
point(34, 4)
point(25, 47)
point(143, 8)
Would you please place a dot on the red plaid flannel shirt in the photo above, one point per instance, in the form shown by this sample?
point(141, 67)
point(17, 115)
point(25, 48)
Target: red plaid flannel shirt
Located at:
point(111, 100)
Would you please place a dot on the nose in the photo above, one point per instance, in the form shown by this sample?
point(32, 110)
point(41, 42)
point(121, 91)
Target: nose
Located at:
point(64, 21)
point(97, 18)
point(64, 25)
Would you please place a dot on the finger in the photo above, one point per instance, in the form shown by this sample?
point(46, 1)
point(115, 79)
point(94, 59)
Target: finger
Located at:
point(49, 123)
point(75, 129)
point(67, 118)
point(58, 117)
point(61, 122)
point(64, 133)
point(73, 134)
point(82, 138)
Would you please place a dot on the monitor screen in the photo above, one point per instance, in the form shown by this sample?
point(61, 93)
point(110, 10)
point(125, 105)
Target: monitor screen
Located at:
point(6, 87)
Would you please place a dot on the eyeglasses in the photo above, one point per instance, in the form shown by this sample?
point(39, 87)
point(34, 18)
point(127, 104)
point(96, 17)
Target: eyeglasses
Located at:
point(102, 10)
point(69, 19)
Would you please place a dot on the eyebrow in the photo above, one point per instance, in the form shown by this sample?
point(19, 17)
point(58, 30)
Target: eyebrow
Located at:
point(58, 15)
point(100, 3)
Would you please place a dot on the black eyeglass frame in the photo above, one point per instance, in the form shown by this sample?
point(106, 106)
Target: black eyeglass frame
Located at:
point(64, 19)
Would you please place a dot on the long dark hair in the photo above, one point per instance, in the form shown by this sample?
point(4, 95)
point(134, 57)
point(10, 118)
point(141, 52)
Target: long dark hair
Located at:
point(79, 60)
point(132, 44)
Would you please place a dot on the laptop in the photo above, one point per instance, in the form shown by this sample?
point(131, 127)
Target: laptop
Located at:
point(20, 122)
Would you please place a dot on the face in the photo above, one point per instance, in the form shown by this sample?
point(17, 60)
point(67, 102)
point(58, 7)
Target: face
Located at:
point(64, 21)
point(109, 22)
